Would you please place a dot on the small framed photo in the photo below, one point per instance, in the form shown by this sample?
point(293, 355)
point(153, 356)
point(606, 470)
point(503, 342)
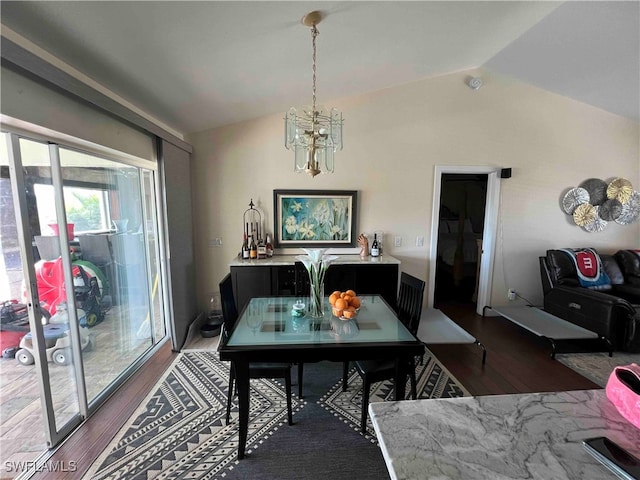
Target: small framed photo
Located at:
point(315, 218)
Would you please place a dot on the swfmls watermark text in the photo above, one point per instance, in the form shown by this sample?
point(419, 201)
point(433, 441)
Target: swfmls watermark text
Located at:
point(31, 466)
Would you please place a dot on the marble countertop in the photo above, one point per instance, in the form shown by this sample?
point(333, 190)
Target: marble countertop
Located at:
point(526, 436)
point(342, 260)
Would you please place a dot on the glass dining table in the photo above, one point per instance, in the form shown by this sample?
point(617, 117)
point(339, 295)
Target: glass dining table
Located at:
point(268, 331)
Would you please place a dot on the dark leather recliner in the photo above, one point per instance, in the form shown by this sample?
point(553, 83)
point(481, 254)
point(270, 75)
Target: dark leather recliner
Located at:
point(629, 262)
point(608, 312)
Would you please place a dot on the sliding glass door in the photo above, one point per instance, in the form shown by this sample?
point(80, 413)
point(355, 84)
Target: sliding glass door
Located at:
point(114, 253)
point(87, 273)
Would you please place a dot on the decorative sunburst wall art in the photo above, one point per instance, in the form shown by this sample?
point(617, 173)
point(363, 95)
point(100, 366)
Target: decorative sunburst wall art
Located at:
point(595, 203)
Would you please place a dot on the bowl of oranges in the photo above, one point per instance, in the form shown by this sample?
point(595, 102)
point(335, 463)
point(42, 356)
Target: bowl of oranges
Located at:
point(344, 305)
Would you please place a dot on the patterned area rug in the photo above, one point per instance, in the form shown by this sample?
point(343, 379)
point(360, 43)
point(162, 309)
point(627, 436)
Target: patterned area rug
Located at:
point(180, 433)
point(432, 378)
point(597, 366)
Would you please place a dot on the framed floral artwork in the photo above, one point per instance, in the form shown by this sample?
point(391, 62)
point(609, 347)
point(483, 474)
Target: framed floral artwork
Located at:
point(315, 218)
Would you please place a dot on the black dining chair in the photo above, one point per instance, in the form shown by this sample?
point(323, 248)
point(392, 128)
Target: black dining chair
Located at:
point(256, 369)
point(408, 311)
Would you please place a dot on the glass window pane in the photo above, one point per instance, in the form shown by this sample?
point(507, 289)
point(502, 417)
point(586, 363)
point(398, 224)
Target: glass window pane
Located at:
point(116, 260)
point(23, 433)
point(49, 272)
point(86, 208)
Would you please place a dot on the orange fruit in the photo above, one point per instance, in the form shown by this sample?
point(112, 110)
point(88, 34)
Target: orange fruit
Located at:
point(336, 293)
point(347, 298)
point(341, 304)
point(342, 294)
point(349, 313)
point(355, 302)
point(337, 312)
point(350, 309)
point(332, 298)
point(351, 292)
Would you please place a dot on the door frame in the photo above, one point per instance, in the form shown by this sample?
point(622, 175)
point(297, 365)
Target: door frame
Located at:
point(489, 233)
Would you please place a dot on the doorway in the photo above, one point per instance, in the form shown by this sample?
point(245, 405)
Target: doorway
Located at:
point(463, 233)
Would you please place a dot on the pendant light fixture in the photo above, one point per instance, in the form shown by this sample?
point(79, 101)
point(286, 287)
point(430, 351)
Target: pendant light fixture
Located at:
point(313, 134)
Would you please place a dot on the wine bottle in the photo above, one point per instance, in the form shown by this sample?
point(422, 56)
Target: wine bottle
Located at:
point(262, 248)
point(253, 249)
point(269, 247)
point(375, 248)
point(245, 248)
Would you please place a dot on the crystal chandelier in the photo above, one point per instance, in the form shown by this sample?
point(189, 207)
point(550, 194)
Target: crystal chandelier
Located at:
point(313, 134)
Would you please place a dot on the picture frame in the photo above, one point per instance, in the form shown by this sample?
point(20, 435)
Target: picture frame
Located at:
point(315, 218)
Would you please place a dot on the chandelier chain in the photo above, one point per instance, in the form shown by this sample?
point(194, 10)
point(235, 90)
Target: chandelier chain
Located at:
point(314, 34)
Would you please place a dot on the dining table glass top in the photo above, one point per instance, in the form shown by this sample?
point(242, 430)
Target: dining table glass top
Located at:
point(271, 321)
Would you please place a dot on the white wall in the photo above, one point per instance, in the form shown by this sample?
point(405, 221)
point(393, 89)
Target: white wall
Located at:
point(393, 140)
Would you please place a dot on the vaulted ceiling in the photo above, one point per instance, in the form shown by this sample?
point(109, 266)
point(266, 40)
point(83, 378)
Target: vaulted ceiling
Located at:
point(199, 65)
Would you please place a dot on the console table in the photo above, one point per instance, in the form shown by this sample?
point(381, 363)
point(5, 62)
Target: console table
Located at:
point(537, 435)
point(284, 275)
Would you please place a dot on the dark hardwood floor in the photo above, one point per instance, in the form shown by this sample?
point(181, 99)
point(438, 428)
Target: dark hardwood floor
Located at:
point(89, 441)
point(517, 362)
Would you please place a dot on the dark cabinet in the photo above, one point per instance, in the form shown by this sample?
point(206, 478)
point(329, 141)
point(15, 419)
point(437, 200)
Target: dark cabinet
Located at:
point(250, 282)
point(284, 280)
point(365, 279)
point(377, 279)
point(342, 277)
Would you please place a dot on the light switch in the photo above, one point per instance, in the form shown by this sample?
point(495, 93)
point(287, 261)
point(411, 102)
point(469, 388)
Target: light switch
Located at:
point(397, 241)
point(419, 241)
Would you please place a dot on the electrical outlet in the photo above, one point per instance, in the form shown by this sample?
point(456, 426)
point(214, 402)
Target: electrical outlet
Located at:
point(511, 294)
point(215, 242)
point(397, 241)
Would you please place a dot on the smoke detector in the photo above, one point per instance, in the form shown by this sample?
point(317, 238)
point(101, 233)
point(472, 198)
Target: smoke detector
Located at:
point(474, 82)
